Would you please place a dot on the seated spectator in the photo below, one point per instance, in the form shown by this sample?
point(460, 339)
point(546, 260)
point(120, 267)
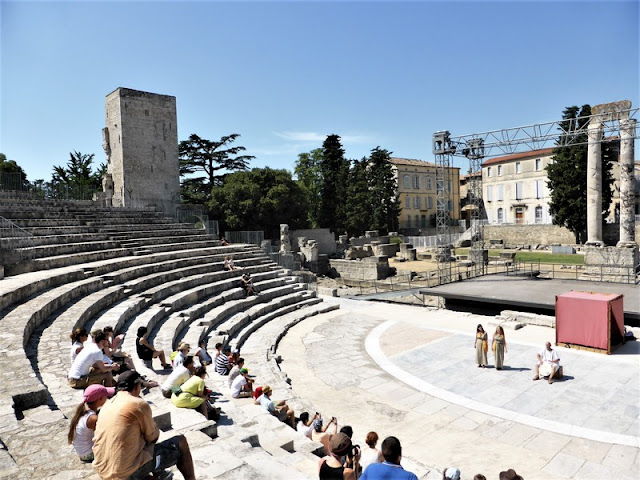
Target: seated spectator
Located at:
point(182, 352)
point(78, 337)
point(192, 393)
point(257, 392)
point(347, 430)
point(479, 476)
point(146, 351)
point(451, 473)
point(242, 386)
point(89, 368)
point(331, 465)
point(222, 362)
point(83, 422)
point(510, 475)
point(202, 354)
point(224, 242)
point(277, 409)
point(111, 351)
point(247, 285)
point(115, 341)
point(304, 425)
point(390, 468)
point(126, 435)
point(235, 370)
point(180, 374)
point(370, 454)
point(320, 433)
point(229, 265)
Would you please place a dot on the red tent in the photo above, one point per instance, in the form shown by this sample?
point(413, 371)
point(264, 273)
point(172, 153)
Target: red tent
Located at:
point(588, 319)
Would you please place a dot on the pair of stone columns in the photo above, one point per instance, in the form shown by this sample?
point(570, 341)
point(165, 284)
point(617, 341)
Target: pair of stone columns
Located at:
point(594, 183)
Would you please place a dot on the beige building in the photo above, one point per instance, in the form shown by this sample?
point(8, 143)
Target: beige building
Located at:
point(514, 188)
point(417, 193)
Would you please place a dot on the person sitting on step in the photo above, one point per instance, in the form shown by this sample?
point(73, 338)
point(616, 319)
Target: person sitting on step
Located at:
point(146, 351)
point(78, 337)
point(202, 354)
point(222, 362)
point(89, 368)
point(247, 285)
point(180, 374)
point(278, 409)
point(242, 385)
point(83, 422)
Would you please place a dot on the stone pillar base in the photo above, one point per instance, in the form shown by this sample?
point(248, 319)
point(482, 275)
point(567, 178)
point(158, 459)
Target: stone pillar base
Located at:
point(594, 243)
point(610, 264)
point(627, 245)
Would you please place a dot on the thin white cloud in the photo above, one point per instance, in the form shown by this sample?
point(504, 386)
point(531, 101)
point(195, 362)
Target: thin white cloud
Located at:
point(315, 137)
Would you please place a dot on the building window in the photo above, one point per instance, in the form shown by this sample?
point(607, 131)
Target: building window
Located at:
point(416, 182)
point(450, 205)
point(408, 221)
point(539, 189)
point(423, 221)
point(417, 221)
point(500, 193)
point(490, 193)
point(449, 186)
point(489, 172)
point(538, 214)
point(417, 202)
point(429, 202)
point(407, 181)
point(407, 202)
point(538, 164)
point(518, 167)
point(519, 191)
point(428, 183)
point(500, 216)
point(499, 170)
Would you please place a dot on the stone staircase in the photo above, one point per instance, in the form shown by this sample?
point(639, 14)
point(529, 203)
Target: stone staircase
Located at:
point(91, 267)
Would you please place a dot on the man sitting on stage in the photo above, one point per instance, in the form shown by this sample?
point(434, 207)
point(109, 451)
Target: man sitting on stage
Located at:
point(548, 363)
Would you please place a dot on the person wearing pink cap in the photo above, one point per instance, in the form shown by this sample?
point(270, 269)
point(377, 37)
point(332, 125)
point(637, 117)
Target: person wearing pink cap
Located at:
point(83, 423)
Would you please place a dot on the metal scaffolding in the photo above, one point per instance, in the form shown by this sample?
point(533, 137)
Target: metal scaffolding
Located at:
point(478, 146)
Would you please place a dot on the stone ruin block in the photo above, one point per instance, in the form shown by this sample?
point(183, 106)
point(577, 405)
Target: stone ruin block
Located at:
point(371, 233)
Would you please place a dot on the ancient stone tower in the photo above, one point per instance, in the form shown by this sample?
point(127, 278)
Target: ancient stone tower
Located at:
point(141, 144)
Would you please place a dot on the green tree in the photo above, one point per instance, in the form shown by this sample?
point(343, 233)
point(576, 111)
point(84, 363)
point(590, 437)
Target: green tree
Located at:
point(12, 176)
point(77, 179)
point(213, 158)
point(358, 202)
point(259, 199)
point(335, 170)
point(309, 178)
point(385, 206)
point(567, 176)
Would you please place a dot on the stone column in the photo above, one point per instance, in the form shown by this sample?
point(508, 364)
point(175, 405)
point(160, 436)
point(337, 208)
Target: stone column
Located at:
point(594, 184)
point(627, 193)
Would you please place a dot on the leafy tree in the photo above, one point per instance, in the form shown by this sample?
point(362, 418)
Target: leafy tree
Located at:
point(211, 158)
point(310, 180)
point(335, 170)
point(77, 179)
point(385, 206)
point(567, 176)
point(358, 204)
point(259, 199)
point(12, 176)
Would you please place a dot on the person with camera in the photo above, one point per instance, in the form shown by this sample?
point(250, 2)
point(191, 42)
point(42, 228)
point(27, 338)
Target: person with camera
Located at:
point(390, 469)
point(332, 466)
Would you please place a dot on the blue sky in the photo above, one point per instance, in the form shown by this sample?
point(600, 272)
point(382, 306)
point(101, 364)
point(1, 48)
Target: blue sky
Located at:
point(286, 74)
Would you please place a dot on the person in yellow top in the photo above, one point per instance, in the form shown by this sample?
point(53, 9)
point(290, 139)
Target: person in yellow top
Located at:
point(481, 346)
point(126, 435)
point(192, 393)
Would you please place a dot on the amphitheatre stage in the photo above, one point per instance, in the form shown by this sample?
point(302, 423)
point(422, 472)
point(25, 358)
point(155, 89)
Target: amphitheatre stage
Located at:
point(410, 372)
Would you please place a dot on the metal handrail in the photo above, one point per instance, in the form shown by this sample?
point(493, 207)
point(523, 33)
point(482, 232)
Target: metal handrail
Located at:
point(9, 231)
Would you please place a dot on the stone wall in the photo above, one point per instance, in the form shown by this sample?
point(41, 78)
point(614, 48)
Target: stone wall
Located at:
point(545, 234)
point(370, 268)
point(325, 240)
point(141, 143)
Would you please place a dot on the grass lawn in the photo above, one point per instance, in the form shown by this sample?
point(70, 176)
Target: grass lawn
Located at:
point(542, 257)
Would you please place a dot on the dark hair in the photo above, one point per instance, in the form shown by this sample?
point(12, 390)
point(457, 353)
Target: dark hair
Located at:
point(479, 327)
point(391, 449)
point(77, 333)
point(347, 430)
point(372, 439)
point(98, 336)
point(198, 372)
point(304, 417)
point(188, 360)
point(108, 329)
point(240, 360)
point(142, 331)
point(218, 345)
point(479, 476)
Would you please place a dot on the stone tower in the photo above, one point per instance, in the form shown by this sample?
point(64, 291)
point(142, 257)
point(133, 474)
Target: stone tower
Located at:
point(141, 145)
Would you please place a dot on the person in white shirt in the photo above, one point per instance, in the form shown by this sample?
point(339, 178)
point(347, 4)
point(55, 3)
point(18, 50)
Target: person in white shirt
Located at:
point(304, 424)
point(242, 387)
point(548, 363)
point(178, 376)
point(183, 351)
point(89, 368)
point(370, 454)
point(235, 371)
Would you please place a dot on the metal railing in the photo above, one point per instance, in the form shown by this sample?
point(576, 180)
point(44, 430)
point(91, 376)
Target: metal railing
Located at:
point(255, 237)
point(13, 237)
point(430, 241)
point(198, 216)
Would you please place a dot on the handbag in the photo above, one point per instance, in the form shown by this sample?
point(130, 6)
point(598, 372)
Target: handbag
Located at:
point(485, 346)
point(493, 346)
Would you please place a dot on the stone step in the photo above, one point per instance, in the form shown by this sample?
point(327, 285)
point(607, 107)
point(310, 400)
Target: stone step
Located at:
point(55, 240)
point(48, 250)
point(58, 261)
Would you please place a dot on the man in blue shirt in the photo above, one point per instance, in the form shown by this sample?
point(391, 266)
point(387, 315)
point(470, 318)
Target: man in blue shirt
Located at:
point(390, 469)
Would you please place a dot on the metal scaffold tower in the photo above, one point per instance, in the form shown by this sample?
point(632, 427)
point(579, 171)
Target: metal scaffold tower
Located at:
point(477, 147)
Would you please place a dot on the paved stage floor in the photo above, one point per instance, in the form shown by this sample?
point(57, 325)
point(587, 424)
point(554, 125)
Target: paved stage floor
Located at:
point(411, 372)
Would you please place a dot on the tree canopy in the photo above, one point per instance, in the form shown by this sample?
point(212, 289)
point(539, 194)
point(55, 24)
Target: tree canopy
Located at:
point(77, 179)
point(12, 176)
point(309, 178)
point(213, 158)
point(567, 176)
point(383, 188)
point(334, 169)
point(259, 199)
